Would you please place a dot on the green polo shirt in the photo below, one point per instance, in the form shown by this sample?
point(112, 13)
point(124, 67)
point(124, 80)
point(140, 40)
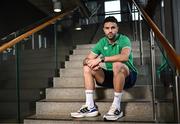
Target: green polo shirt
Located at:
point(104, 48)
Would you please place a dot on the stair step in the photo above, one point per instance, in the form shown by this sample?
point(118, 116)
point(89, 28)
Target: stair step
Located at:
point(163, 110)
point(78, 72)
point(9, 109)
point(134, 44)
point(28, 74)
point(70, 81)
point(84, 54)
point(45, 50)
point(25, 83)
point(41, 53)
point(10, 95)
point(43, 59)
point(78, 64)
point(34, 60)
point(56, 119)
point(143, 93)
point(51, 107)
point(30, 66)
point(86, 51)
point(136, 58)
point(138, 92)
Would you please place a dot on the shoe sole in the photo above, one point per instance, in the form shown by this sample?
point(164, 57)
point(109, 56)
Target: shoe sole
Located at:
point(78, 115)
point(110, 118)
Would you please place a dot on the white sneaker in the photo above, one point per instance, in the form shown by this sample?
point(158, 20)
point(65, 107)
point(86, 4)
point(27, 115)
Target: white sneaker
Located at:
point(85, 112)
point(113, 114)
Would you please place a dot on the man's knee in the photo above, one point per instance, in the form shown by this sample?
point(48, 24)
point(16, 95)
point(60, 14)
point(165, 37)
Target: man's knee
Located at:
point(86, 69)
point(120, 67)
point(117, 67)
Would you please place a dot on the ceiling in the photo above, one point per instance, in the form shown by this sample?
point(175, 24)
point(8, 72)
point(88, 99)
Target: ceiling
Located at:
point(47, 5)
point(43, 5)
point(85, 10)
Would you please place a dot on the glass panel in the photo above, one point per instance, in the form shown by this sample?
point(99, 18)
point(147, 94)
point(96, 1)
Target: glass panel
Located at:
point(157, 71)
point(159, 75)
point(165, 77)
point(37, 65)
point(8, 88)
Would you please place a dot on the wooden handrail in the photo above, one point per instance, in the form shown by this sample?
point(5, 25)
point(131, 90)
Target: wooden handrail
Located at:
point(174, 58)
point(34, 30)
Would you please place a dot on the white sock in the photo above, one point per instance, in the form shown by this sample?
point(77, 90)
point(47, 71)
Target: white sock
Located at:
point(89, 98)
point(117, 100)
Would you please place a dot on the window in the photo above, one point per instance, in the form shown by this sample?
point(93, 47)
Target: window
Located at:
point(112, 8)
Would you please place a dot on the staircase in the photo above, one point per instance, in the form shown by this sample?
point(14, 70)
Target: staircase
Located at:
point(67, 95)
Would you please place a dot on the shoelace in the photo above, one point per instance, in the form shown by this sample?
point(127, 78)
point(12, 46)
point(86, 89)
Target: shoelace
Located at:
point(112, 110)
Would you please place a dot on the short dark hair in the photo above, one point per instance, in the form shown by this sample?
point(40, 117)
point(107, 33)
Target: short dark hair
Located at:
point(110, 19)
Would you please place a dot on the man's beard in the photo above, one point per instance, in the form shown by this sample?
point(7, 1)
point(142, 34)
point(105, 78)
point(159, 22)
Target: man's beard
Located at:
point(111, 37)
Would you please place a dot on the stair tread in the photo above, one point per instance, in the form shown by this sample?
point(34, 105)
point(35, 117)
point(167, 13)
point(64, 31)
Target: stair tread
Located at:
point(104, 100)
point(91, 120)
point(57, 107)
point(135, 86)
point(83, 100)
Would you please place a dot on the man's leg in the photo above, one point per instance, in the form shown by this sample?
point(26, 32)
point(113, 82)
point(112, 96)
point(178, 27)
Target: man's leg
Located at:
point(89, 110)
point(89, 76)
point(120, 72)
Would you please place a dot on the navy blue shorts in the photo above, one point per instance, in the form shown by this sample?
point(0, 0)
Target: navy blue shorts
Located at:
point(108, 81)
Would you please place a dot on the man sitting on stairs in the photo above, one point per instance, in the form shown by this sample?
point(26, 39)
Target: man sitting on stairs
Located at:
point(110, 63)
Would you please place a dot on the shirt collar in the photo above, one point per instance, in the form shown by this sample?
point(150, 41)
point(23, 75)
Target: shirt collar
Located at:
point(117, 37)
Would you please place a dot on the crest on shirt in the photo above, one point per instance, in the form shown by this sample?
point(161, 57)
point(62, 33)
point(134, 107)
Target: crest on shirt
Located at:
point(105, 48)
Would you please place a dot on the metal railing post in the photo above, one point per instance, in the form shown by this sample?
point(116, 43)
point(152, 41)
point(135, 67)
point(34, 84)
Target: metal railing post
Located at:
point(135, 24)
point(153, 74)
point(17, 81)
point(33, 42)
point(177, 92)
point(55, 51)
point(40, 41)
point(140, 39)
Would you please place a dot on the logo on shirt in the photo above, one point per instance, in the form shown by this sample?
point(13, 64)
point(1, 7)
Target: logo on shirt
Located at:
point(105, 48)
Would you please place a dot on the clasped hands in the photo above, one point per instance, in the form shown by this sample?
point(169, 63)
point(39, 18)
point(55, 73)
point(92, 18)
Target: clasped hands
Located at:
point(94, 64)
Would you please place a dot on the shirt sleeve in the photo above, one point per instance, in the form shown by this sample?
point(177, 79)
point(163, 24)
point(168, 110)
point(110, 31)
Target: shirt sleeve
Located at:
point(96, 49)
point(126, 43)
